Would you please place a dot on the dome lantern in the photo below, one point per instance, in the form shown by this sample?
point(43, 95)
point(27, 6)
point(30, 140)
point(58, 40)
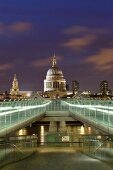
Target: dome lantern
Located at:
point(54, 61)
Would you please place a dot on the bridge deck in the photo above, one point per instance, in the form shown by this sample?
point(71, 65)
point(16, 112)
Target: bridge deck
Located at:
point(57, 159)
point(96, 113)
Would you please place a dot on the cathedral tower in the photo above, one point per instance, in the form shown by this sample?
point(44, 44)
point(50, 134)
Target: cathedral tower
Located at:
point(15, 87)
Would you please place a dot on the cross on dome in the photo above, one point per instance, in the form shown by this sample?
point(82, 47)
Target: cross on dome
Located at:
point(15, 76)
point(54, 61)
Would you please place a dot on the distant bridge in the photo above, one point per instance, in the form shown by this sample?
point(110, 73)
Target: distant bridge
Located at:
point(15, 115)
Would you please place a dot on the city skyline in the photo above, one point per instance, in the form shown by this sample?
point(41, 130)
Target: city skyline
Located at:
point(77, 84)
point(79, 33)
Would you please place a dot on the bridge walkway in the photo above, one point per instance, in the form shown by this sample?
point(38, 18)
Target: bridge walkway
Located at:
point(58, 159)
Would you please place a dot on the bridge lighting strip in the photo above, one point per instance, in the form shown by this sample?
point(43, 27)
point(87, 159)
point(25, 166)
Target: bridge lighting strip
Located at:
point(91, 106)
point(103, 111)
point(18, 107)
point(23, 109)
point(100, 110)
point(10, 108)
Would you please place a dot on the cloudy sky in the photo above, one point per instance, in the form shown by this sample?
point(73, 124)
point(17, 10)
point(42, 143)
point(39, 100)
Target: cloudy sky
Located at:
point(79, 32)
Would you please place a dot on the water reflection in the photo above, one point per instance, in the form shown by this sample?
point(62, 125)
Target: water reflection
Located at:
point(22, 132)
point(42, 135)
point(89, 130)
point(41, 132)
point(81, 137)
point(82, 130)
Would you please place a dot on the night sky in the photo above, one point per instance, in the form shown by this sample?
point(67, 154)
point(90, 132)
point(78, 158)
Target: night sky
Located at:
point(79, 32)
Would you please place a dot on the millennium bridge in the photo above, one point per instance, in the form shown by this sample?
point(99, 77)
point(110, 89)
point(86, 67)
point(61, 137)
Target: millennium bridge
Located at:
point(17, 114)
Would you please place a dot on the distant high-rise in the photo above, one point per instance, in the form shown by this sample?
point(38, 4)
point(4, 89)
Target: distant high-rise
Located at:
point(75, 86)
point(67, 87)
point(15, 87)
point(104, 88)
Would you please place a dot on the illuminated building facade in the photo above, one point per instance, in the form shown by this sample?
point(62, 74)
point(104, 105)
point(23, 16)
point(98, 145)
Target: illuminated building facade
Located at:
point(55, 83)
point(15, 87)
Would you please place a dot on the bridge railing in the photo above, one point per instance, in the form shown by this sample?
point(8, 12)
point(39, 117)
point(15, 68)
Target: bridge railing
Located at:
point(15, 112)
point(16, 148)
point(57, 105)
point(98, 111)
point(23, 102)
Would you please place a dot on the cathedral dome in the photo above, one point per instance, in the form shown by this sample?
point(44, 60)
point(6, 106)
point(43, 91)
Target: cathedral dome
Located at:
point(54, 78)
point(54, 71)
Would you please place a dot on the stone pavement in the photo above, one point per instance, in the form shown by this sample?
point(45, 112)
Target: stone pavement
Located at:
point(58, 158)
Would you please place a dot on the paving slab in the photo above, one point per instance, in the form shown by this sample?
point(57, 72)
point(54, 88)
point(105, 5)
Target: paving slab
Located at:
point(58, 158)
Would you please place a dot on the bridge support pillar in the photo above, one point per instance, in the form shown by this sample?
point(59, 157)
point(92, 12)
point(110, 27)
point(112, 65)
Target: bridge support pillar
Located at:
point(62, 126)
point(53, 126)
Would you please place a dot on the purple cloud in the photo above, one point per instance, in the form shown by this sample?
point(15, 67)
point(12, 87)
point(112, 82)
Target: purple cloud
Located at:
point(5, 67)
point(19, 26)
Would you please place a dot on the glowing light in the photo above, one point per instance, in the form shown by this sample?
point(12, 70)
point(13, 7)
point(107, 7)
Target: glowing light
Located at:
point(99, 137)
point(22, 108)
point(82, 130)
point(28, 94)
point(42, 135)
point(89, 130)
point(22, 132)
point(94, 107)
point(87, 106)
